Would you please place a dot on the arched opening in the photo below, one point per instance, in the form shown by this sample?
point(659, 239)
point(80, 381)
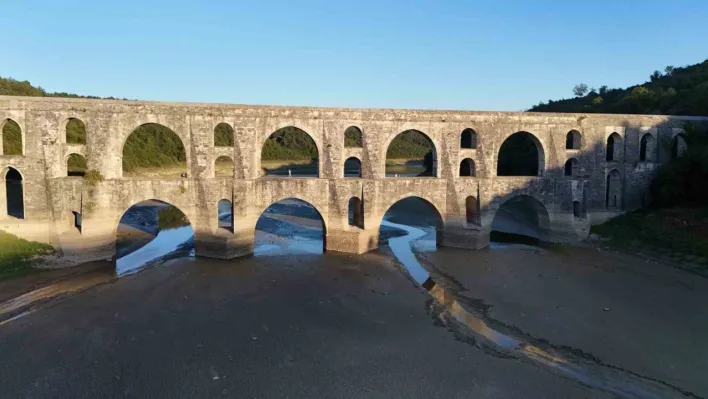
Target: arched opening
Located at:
point(472, 210)
point(352, 167)
point(411, 154)
point(290, 152)
point(614, 190)
point(225, 213)
point(14, 194)
point(573, 140)
point(571, 167)
point(76, 165)
point(413, 217)
point(353, 137)
point(288, 227)
point(149, 232)
point(356, 212)
point(153, 150)
point(11, 138)
point(467, 168)
point(679, 146)
point(576, 210)
point(521, 219)
point(224, 167)
point(223, 135)
point(647, 148)
point(614, 148)
point(521, 154)
point(468, 139)
point(75, 131)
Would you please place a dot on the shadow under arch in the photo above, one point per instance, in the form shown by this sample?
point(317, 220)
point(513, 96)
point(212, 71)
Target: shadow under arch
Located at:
point(151, 146)
point(290, 225)
point(151, 231)
point(417, 148)
point(290, 152)
point(521, 219)
point(412, 211)
point(521, 154)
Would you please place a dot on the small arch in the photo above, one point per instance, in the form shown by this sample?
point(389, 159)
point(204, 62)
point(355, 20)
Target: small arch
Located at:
point(679, 146)
point(225, 215)
point(468, 139)
point(614, 190)
point(76, 165)
point(14, 193)
point(353, 137)
point(576, 209)
point(647, 148)
point(418, 152)
point(467, 168)
point(76, 220)
point(75, 131)
point(352, 167)
point(356, 212)
point(573, 140)
point(521, 154)
point(571, 167)
point(613, 152)
point(223, 135)
point(224, 166)
point(11, 138)
point(472, 210)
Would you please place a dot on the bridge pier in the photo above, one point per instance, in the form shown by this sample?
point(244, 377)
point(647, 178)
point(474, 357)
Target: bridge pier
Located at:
point(352, 241)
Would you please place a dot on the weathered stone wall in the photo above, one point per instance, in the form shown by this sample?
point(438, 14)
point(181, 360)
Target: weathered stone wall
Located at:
point(50, 197)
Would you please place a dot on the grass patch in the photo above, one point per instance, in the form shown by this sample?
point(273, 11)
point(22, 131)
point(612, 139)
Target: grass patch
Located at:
point(677, 232)
point(16, 255)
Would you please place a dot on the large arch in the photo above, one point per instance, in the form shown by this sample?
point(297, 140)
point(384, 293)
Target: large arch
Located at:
point(290, 152)
point(415, 145)
point(14, 192)
point(410, 209)
point(521, 215)
point(75, 131)
point(159, 226)
point(154, 146)
point(301, 212)
point(12, 138)
point(521, 154)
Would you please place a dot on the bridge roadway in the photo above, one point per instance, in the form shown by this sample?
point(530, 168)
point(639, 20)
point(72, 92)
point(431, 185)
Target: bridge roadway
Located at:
point(563, 205)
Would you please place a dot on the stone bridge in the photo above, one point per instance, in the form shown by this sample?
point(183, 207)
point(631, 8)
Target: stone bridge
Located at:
point(578, 183)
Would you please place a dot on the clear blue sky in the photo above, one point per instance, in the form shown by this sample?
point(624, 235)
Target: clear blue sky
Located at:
point(493, 55)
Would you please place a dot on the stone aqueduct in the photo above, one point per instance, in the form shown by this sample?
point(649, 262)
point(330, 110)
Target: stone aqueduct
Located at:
point(568, 200)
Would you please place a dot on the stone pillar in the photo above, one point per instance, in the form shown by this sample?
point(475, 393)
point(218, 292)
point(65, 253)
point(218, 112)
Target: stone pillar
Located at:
point(3, 197)
point(352, 241)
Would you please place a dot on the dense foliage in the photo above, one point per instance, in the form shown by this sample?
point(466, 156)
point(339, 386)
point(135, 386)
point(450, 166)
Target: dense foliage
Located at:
point(11, 138)
point(409, 144)
point(16, 255)
point(223, 135)
point(289, 143)
point(76, 165)
point(170, 217)
point(677, 91)
point(352, 137)
point(682, 181)
point(153, 145)
point(75, 132)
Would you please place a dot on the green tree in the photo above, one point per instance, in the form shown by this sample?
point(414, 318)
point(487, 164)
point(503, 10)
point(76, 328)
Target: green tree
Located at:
point(580, 89)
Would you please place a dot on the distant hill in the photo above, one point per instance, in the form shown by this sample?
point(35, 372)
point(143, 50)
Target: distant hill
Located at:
point(13, 87)
point(676, 91)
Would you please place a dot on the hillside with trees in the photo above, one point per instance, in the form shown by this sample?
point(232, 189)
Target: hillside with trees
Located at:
point(675, 91)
